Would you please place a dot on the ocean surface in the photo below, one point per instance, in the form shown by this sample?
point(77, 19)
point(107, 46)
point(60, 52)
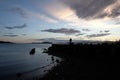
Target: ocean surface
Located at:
point(17, 63)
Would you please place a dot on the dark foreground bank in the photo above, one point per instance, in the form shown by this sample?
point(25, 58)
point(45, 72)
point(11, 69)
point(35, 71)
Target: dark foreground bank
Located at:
point(86, 62)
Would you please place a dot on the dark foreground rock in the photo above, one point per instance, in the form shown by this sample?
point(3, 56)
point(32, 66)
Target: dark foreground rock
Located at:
point(86, 62)
point(82, 69)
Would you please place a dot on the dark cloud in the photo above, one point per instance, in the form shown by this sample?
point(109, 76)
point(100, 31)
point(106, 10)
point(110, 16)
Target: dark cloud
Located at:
point(91, 9)
point(80, 34)
point(17, 27)
point(86, 30)
point(10, 35)
point(115, 11)
point(19, 10)
point(117, 23)
point(106, 31)
point(101, 31)
point(98, 35)
point(62, 31)
point(24, 34)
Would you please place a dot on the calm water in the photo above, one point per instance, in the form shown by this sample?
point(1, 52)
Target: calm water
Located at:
point(15, 58)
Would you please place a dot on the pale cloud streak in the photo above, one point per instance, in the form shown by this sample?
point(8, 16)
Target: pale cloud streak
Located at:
point(43, 17)
point(10, 35)
point(60, 11)
point(19, 10)
point(28, 14)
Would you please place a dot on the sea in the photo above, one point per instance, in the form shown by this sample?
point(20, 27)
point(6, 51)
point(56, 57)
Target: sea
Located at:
point(17, 64)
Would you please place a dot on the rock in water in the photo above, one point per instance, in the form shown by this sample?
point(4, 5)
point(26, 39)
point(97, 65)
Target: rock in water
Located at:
point(32, 52)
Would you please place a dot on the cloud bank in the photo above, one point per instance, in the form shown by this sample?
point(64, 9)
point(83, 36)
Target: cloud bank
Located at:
point(91, 9)
point(98, 35)
point(63, 31)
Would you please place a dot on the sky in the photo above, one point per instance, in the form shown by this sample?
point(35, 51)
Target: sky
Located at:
point(25, 21)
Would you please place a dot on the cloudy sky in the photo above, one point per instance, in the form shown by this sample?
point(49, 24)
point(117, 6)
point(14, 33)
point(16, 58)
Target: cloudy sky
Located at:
point(37, 20)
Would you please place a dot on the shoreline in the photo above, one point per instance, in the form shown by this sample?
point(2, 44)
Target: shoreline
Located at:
point(36, 73)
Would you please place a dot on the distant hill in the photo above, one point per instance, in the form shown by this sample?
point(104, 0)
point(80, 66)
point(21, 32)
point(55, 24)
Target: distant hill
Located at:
point(6, 42)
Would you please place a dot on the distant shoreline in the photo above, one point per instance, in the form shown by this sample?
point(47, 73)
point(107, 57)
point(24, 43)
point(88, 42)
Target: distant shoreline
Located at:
point(41, 43)
point(6, 42)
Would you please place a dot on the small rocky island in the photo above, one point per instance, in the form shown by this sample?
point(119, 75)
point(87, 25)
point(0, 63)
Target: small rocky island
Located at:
point(32, 52)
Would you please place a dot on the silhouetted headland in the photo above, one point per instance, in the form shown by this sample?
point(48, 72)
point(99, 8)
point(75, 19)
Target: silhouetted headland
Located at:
point(86, 50)
point(85, 61)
